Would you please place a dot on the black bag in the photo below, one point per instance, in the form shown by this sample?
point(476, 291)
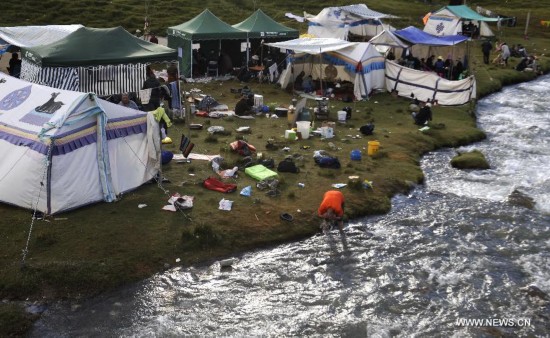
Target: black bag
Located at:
point(367, 129)
point(288, 166)
point(327, 162)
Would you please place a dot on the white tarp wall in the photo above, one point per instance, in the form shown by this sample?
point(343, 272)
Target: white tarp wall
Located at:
point(428, 85)
point(61, 149)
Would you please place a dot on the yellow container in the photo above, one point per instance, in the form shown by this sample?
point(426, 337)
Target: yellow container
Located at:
point(373, 147)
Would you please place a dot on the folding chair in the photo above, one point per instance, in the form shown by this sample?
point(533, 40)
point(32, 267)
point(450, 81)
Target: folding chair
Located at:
point(212, 68)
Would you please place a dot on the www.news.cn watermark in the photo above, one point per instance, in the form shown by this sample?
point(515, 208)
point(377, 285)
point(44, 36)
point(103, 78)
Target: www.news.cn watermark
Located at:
point(493, 322)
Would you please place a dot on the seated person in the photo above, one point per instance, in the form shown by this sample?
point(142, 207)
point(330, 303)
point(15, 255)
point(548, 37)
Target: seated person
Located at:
point(243, 107)
point(531, 64)
point(424, 114)
point(126, 102)
point(522, 64)
point(307, 84)
point(332, 207)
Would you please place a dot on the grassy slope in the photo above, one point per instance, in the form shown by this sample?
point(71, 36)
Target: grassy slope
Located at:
point(106, 245)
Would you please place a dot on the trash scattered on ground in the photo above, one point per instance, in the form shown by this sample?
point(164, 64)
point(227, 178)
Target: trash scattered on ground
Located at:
point(243, 129)
point(287, 217)
point(338, 185)
point(141, 206)
point(215, 129)
point(246, 191)
point(424, 129)
point(178, 260)
point(367, 184)
point(225, 204)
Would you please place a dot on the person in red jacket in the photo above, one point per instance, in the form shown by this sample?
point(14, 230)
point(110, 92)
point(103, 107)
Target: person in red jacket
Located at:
point(332, 207)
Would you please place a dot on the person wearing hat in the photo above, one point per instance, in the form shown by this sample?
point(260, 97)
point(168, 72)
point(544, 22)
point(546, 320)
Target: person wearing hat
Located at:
point(254, 61)
point(439, 66)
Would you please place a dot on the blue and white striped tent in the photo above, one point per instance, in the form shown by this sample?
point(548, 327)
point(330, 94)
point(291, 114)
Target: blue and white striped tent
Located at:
point(63, 149)
point(104, 61)
point(356, 62)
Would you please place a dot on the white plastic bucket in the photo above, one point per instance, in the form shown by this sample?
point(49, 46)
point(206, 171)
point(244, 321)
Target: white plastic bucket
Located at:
point(303, 128)
point(258, 100)
point(342, 116)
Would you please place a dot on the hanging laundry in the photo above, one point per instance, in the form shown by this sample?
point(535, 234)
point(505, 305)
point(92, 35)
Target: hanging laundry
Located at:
point(176, 99)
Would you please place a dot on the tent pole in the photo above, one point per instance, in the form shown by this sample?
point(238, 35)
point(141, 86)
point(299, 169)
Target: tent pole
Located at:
point(191, 58)
point(527, 25)
point(321, 71)
point(247, 50)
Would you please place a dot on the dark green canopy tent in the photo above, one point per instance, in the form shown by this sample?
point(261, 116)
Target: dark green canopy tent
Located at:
point(261, 26)
point(207, 29)
point(105, 61)
point(98, 46)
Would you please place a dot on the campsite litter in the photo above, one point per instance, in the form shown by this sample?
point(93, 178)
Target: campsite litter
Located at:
point(367, 184)
point(225, 204)
point(179, 202)
point(141, 206)
point(338, 185)
point(286, 217)
point(246, 191)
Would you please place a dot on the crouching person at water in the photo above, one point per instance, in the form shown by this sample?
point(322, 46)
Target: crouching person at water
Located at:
point(424, 114)
point(332, 207)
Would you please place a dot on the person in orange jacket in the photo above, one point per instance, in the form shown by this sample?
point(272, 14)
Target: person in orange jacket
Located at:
point(332, 207)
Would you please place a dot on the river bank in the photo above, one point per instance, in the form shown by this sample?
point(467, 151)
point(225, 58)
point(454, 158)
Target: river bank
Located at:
point(101, 247)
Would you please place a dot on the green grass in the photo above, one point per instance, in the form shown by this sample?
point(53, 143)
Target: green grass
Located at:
point(102, 246)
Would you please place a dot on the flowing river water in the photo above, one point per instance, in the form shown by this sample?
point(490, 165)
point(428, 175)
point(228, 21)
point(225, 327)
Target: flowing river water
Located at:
point(453, 250)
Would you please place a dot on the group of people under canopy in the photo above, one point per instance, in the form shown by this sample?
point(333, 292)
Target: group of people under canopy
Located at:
point(449, 69)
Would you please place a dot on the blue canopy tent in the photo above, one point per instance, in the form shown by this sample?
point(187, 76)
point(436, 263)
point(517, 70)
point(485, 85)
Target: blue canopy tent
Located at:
point(427, 85)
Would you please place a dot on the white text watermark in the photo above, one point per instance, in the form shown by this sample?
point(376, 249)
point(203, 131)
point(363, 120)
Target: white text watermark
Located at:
point(493, 322)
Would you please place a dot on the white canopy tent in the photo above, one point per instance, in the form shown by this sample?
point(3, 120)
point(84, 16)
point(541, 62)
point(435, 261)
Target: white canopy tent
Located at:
point(449, 19)
point(62, 149)
point(359, 63)
point(338, 22)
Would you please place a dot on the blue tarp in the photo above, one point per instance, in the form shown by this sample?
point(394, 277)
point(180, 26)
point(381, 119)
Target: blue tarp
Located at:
point(419, 37)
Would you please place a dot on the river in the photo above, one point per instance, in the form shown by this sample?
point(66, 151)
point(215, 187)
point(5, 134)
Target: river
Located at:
point(452, 251)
